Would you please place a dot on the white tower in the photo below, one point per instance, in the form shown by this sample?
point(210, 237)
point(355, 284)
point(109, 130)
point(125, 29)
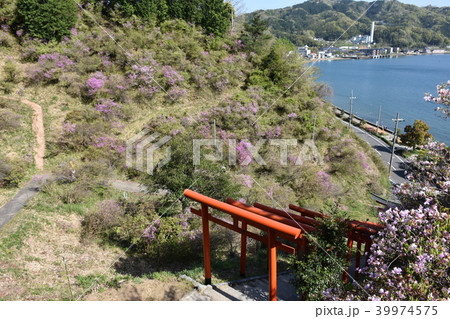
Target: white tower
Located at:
point(372, 30)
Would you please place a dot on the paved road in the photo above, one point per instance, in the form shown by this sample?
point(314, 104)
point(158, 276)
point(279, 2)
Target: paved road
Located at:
point(10, 209)
point(384, 150)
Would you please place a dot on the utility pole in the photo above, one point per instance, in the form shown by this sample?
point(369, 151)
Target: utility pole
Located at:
point(379, 118)
point(351, 109)
point(393, 142)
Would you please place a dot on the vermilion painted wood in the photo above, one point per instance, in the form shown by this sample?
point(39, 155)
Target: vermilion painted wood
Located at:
point(263, 239)
point(306, 212)
point(232, 210)
point(206, 247)
point(272, 254)
point(243, 249)
point(273, 213)
point(276, 223)
point(347, 259)
point(367, 227)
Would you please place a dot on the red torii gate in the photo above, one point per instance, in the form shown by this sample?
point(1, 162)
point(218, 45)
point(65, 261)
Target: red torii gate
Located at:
point(276, 223)
point(272, 227)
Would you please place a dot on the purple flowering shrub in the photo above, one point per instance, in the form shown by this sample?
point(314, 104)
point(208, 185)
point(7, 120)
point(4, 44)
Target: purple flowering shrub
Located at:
point(79, 135)
point(107, 149)
point(168, 238)
point(410, 258)
point(174, 237)
point(109, 109)
point(345, 159)
point(142, 77)
point(94, 83)
point(176, 93)
point(243, 153)
point(49, 68)
point(6, 39)
point(171, 76)
point(104, 218)
point(109, 143)
point(117, 87)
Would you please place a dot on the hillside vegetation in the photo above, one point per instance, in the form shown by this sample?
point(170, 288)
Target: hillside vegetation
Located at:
point(110, 78)
point(397, 24)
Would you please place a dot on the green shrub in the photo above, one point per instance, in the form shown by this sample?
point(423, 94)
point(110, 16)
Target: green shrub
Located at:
point(106, 215)
point(50, 19)
point(11, 73)
point(11, 172)
point(7, 87)
point(322, 266)
point(208, 178)
point(7, 11)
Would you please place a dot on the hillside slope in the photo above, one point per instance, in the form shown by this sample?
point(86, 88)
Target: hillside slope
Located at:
point(398, 24)
point(111, 79)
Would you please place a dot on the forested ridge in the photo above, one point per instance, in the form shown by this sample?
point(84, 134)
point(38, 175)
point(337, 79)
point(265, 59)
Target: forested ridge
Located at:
point(397, 24)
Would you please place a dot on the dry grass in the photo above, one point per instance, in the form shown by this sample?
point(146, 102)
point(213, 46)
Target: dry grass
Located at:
point(34, 268)
point(146, 290)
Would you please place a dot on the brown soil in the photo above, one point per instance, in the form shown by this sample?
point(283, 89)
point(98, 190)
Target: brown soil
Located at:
point(38, 128)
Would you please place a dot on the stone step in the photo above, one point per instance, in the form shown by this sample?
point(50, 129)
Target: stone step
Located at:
point(251, 289)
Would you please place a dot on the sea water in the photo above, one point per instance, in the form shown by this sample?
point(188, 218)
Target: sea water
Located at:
point(396, 84)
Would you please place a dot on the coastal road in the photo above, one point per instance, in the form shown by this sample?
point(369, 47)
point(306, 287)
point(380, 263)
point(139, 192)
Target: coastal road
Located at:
point(398, 175)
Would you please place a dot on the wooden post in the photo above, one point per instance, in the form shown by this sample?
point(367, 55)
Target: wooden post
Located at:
point(243, 249)
point(349, 254)
point(206, 247)
point(272, 257)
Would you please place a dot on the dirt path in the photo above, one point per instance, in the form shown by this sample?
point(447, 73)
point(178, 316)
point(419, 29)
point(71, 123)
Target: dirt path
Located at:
point(38, 128)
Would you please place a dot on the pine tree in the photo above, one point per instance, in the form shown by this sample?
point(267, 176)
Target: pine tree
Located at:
point(50, 19)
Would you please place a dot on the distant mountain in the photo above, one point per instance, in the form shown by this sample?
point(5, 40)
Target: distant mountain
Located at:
point(398, 24)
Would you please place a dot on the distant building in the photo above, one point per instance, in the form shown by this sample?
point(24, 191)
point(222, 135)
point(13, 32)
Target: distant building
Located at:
point(304, 51)
point(361, 39)
point(347, 48)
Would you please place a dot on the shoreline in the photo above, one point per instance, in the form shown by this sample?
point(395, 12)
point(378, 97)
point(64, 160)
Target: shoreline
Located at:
point(397, 55)
point(383, 133)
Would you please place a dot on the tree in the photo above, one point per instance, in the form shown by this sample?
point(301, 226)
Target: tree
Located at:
point(7, 9)
point(254, 33)
point(208, 178)
point(215, 17)
point(151, 9)
point(417, 134)
point(443, 98)
point(50, 19)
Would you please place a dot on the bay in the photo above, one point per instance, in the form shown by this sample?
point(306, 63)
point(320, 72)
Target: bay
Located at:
point(396, 84)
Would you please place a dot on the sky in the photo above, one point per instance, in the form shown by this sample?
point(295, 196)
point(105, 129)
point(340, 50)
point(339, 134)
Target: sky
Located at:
point(253, 5)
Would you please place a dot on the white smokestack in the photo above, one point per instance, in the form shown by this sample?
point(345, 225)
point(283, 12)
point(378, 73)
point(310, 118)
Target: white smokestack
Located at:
point(372, 32)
